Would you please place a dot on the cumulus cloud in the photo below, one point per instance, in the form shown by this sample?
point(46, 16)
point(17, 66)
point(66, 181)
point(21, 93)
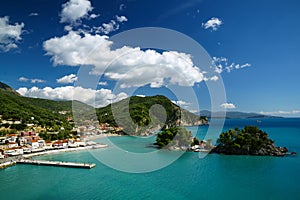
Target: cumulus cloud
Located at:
point(67, 79)
point(133, 68)
point(228, 105)
point(74, 10)
point(9, 34)
point(96, 98)
point(35, 80)
point(111, 26)
point(281, 112)
point(214, 23)
point(221, 63)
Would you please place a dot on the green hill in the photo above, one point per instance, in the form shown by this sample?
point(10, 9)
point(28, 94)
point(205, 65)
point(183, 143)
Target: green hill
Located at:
point(145, 115)
point(42, 112)
point(136, 115)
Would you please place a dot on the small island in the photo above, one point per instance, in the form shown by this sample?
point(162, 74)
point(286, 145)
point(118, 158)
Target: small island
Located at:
point(248, 141)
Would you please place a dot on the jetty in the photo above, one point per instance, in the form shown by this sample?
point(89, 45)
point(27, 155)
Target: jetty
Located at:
point(57, 163)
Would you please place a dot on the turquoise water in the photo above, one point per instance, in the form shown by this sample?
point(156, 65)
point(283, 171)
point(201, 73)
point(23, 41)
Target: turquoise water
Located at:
point(189, 177)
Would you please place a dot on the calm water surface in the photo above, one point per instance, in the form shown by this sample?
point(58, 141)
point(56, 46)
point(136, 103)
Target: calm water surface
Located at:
point(212, 177)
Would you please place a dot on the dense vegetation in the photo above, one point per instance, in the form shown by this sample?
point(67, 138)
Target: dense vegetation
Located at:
point(30, 110)
point(146, 113)
point(41, 112)
point(250, 137)
point(250, 140)
point(174, 137)
point(136, 115)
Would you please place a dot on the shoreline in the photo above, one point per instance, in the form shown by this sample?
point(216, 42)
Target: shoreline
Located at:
point(94, 137)
point(10, 161)
point(98, 146)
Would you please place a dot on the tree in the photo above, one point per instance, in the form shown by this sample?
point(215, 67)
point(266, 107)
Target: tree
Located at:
point(174, 136)
point(247, 139)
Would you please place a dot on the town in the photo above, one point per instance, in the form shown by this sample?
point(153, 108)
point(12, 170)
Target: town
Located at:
point(30, 141)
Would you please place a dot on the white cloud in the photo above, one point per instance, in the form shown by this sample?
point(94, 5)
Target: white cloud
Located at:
point(140, 95)
point(74, 10)
point(133, 66)
point(103, 83)
point(181, 103)
point(97, 98)
point(93, 16)
point(121, 19)
point(106, 28)
point(67, 79)
point(111, 26)
point(23, 79)
point(214, 78)
point(281, 112)
point(9, 34)
point(68, 28)
point(122, 7)
point(214, 23)
point(35, 80)
point(33, 14)
point(221, 64)
point(228, 105)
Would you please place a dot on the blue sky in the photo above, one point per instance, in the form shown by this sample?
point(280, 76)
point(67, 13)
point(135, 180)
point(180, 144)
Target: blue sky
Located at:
point(255, 45)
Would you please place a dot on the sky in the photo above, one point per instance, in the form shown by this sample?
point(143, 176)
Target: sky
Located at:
point(64, 50)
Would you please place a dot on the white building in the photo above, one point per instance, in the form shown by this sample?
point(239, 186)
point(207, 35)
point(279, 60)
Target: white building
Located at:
point(12, 144)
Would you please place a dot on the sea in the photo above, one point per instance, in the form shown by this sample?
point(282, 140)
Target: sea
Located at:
point(189, 175)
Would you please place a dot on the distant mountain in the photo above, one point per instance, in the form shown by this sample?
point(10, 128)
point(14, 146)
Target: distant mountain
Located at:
point(234, 114)
point(148, 114)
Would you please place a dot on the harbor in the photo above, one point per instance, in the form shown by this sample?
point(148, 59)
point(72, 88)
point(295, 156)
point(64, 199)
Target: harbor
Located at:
point(57, 163)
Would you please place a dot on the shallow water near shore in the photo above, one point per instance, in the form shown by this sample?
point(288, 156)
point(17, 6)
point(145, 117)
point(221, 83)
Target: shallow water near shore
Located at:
point(189, 177)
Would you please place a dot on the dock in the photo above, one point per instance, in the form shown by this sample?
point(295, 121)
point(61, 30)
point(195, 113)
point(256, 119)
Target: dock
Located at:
point(7, 164)
point(57, 163)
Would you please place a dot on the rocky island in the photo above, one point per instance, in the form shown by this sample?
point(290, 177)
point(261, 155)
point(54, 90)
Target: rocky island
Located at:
point(248, 141)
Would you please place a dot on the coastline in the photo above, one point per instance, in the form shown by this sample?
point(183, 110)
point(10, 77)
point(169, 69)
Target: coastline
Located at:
point(94, 137)
point(64, 150)
point(10, 161)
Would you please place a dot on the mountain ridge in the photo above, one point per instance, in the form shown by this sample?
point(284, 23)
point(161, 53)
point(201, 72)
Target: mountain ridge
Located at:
point(234, 114)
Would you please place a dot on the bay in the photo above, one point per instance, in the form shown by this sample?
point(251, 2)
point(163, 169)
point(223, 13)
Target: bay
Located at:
point(189, 177)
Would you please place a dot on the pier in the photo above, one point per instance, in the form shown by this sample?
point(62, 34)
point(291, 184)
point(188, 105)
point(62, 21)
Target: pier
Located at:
point(57, 163)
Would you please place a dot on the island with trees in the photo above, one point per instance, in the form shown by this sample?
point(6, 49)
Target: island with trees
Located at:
point(247, 141)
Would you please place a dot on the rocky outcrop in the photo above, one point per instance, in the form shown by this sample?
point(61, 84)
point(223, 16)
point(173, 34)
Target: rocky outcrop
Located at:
point(269, 150)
